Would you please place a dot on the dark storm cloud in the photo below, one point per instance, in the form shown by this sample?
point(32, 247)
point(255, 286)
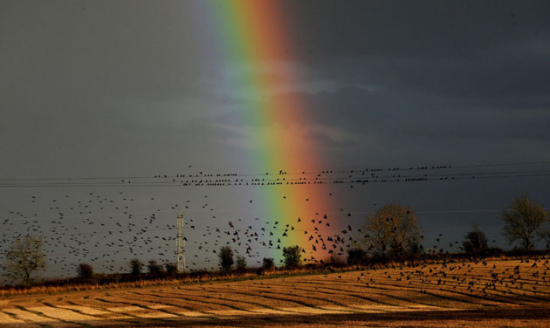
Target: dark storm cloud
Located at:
point(430, 79)
point(430, 29)
point(91, 50)
point(85, 81)
point(442, 69)
point(88, 79)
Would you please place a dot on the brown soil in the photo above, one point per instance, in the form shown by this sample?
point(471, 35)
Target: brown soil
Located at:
point(506, 293)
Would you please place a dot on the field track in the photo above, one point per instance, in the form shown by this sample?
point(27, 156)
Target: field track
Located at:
point(496, 293)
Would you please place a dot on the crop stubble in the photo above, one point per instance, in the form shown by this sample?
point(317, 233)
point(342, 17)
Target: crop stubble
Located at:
point(492, 294)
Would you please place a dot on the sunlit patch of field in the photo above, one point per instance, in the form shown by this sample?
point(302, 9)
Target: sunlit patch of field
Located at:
point(493, 293)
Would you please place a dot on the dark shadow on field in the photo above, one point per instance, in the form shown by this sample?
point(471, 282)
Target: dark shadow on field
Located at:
point(389, 318)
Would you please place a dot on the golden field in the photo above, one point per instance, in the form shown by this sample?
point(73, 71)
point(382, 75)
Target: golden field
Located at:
point(492, 293)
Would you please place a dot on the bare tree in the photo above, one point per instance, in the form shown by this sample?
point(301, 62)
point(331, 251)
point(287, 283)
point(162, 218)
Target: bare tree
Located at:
point(392, 232)
point(523, 220)
point(24, 258)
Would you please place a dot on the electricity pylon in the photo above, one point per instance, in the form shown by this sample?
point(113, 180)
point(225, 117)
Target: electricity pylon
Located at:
point(180, 244)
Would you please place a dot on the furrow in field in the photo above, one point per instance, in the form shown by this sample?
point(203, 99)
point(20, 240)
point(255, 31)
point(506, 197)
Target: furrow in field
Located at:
point(252, 298)
point(174, 304)
point(332, 304)
point(344, 300)
point(282, 303)
point(302, 301)
point(205, 304)
point(11, 319)
point(144, 313)
point(114, 312)
point(99, 316)
point(482, 289)
point(482, 282)
point(99, 310)
point(37, 318)
point(439, 296)
point(64, 315)
point(231, 297)
point(387, 297)
point(411, 296)
point(142, 309)
point(162, 303)
point(336, 292)
point(471, 291)
point(413, 302)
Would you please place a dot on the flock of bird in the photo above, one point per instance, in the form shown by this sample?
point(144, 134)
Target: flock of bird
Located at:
point(474, 277)
point(112, 223)
point(107, 229)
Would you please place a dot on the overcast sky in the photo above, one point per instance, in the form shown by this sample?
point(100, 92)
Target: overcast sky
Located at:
point(117, 88)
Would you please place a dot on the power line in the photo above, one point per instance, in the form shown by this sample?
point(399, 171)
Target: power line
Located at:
point(287, 182)
point(200, 177)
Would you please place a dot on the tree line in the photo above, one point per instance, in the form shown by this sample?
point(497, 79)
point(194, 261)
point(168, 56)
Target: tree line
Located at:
point(391, 234)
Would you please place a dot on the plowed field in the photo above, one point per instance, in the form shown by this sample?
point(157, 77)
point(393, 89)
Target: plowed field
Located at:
point(504, 293)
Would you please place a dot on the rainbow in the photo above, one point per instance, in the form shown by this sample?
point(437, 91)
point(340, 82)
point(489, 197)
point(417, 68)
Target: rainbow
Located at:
point(249, 37)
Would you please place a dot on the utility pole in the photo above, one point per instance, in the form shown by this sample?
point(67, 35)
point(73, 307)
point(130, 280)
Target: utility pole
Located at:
point(180, 244)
